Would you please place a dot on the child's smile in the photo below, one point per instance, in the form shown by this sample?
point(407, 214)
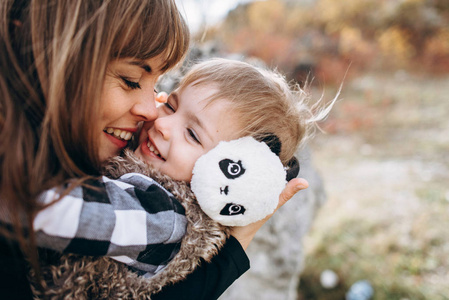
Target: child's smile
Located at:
point(152, 150)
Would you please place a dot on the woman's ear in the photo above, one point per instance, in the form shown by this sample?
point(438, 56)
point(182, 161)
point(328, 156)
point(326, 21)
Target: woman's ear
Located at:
point(292, 168)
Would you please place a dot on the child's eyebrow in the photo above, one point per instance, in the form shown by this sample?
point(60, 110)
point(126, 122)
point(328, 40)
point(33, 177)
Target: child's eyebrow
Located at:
point(200, 124)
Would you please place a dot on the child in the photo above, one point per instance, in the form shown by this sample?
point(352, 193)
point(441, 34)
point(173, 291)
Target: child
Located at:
point(217, 100)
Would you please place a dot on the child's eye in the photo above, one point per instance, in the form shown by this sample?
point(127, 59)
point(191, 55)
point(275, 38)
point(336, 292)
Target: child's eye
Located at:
point(131, 84)
point(194, 136)
point(167, 105)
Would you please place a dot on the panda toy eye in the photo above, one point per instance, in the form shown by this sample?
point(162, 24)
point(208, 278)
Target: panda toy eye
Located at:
point(231, 169)
point(232, 209)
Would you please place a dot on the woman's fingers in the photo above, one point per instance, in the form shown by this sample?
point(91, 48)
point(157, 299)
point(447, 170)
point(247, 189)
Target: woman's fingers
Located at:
point(293, 186)
point(245, 234)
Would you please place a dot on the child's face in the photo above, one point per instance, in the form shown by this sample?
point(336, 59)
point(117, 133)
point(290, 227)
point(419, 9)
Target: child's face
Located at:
point(186, 129)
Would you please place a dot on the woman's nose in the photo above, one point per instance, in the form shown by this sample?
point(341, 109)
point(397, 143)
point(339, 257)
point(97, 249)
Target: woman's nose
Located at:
point(145, 107)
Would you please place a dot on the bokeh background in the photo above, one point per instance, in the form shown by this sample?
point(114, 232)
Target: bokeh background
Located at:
point(384, 153)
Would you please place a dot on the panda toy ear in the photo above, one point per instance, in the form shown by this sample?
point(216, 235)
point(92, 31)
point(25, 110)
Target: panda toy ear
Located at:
point(292, 168)
point(273, 142)
point(275, 145)
point(238, 182)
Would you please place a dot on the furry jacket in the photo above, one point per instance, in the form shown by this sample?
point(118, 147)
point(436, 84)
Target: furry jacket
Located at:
point(80, 277)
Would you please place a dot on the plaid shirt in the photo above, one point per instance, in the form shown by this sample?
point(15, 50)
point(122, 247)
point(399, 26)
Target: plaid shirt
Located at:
point(132, 219)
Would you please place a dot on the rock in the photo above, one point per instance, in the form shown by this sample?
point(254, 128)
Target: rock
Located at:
point(328, 279)
point(360, 290)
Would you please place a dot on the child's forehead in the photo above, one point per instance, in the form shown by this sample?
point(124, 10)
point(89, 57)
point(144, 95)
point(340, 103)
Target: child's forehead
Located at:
point(199, 83)
point(204, 91)
point(205, 99)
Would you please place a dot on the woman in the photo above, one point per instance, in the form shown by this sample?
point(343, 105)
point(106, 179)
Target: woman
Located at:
point(74, 74)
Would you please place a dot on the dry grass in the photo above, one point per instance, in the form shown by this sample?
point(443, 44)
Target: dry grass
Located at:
point(385, 164)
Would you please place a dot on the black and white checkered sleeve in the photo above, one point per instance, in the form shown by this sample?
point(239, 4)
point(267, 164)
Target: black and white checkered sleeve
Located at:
point(132, 219)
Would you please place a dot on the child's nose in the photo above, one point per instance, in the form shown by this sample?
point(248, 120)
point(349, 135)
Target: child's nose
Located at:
point(162, 125)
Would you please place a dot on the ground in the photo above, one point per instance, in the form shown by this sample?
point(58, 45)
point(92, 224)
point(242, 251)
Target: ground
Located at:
point(385, 164)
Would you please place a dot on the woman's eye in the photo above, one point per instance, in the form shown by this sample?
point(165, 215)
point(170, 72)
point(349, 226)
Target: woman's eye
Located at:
point(131, 84)
point(194, 136)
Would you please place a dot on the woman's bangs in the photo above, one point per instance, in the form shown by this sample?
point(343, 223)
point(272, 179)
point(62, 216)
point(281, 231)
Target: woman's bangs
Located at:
point(158, 34)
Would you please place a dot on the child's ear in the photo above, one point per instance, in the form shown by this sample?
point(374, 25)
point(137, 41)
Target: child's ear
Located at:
point(292, 168)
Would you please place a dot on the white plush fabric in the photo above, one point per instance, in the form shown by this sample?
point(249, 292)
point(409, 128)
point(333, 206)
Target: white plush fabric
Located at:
point(238, 182)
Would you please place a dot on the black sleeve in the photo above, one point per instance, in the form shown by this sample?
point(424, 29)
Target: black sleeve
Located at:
point(210, 280)
point(13, 272)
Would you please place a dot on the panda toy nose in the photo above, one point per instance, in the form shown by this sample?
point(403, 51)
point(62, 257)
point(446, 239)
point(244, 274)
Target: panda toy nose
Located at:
point(224, 190)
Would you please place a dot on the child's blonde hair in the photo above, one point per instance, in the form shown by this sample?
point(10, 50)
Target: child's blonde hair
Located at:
point(265, 103)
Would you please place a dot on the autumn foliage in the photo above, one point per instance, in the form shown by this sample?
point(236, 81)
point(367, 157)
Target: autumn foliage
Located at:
point(330, 35)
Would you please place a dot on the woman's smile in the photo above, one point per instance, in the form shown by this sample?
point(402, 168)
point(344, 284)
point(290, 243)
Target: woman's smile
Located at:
point(127, 99)
point(119, 137)
point(120, 134)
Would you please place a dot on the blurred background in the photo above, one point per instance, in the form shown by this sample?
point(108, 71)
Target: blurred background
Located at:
point(384, 153)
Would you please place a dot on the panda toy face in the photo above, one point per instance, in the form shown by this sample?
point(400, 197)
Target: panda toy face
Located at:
point(238, 182)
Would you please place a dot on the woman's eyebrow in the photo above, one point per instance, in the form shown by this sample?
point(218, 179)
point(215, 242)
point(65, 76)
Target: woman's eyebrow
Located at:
point(146, 67)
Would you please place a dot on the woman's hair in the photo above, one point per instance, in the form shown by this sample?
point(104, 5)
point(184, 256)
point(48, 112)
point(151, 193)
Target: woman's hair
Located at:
point(264, 103)
point(53, 60)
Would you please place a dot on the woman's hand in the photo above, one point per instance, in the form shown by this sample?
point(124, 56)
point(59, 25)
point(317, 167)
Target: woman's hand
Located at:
point(245, 234)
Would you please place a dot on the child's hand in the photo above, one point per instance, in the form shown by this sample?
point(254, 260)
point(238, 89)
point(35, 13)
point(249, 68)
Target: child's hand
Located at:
point(245, 234)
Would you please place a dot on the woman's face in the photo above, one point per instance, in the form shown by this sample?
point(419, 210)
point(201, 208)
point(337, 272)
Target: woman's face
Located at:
point(127, 99)
point(186, 129)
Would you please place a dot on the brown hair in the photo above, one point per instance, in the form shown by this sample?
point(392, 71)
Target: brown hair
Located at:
point(265, 103)
point(53, 59)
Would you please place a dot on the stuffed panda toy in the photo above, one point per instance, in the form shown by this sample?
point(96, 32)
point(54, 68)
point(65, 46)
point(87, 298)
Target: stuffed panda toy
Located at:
point(239, 182)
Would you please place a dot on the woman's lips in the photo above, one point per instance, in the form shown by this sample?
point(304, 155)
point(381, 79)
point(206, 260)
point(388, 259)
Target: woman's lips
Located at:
point(122, 134)
point(116, 141)
point(119, 137)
